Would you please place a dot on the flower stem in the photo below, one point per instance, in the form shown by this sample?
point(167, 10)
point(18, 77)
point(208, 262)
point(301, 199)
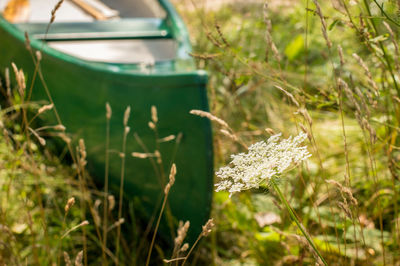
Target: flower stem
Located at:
point(296, 220)
point(156, 229)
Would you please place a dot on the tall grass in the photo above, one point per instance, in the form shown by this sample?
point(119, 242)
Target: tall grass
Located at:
point(73, 230)
point(21, 108)
point(328, 69)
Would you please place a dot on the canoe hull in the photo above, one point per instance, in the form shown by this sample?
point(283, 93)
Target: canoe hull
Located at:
point(80, 91)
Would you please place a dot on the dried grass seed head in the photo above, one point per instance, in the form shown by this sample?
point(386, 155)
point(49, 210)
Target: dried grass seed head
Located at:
point(111, 202)
point(154, 116)
point(54, 11)
point(210, 116)
point(207, 228)
point(60, 127)
point(340, 51)
point(270, 131)
point(306, 115)
point(350, 96)
point(82, 153)
point(20, 78)
point(83, 223)
point(393, 38)
point(70, 203)
point(167, 189)
point(67, 259)
point(167, 138)
point(65, 138)
point(184, 247)
point(181, 233)
point(21, 82)
point(323, 23)
point(368, 73)
point(95, 212)
point(126, 115)
point(14, 66)
point(157, 154)
point(45, 108)
point(75, 227)
point(82, 148)
point(41, 140)
point(151, 125)
point(171, 179)
point(306, 131)
point(108, 111)
point(345, 208)
point(268, 36)
point(116, 224)
point(79, 259)
point(288, 94)
point(363, 101)
point(221, 35)
point(120, 221)
point(229, 135)
point(142, 155)
point(263, 161)
point(126, 131)
point(38, 56)
point(172, 174)
point(344, 191)
point(7, 78)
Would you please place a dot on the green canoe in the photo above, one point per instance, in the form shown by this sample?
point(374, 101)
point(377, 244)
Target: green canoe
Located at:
point(132, 57)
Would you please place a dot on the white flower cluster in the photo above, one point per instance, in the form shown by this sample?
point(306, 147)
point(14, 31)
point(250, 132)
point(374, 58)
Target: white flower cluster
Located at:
point(262, 161)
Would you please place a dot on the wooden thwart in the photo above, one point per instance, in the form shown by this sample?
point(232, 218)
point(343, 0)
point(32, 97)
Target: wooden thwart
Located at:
point(96, 9)
point(17, 11)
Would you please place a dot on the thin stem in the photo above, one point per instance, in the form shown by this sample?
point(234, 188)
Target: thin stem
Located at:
point(306, 46)
point(105, 203)
point(296, 220)
point(121, 191)
point(156, 229)
point(385, 56)
point(82, 205)
point(371, 151)
point(59, 244)
point(191, 250)
point(385, 14)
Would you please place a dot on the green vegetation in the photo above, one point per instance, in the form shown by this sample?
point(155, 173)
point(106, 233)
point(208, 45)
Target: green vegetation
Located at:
point(274, 71)
point(330, 71)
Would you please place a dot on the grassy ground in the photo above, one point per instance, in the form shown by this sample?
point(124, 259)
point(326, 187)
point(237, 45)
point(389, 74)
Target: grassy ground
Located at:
point(272, 69)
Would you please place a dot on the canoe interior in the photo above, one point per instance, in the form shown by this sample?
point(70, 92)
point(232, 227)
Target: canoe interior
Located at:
point(39, 11)
point(79, 34)
point(80, 89)
point(119, 51)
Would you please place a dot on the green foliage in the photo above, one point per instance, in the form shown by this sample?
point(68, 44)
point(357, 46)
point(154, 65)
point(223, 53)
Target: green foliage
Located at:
point(349, 133)
point(295, 48)
point(34, 190)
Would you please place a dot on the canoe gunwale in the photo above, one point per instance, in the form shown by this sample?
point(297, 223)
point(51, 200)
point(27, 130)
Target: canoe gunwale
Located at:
point(118, 69)
point(176, 30)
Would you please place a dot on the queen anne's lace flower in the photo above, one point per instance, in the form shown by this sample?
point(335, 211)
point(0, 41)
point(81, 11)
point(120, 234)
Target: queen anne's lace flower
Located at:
point(262, 161)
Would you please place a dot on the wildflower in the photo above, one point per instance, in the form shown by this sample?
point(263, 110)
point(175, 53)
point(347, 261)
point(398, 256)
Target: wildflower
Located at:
point(263, 161)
